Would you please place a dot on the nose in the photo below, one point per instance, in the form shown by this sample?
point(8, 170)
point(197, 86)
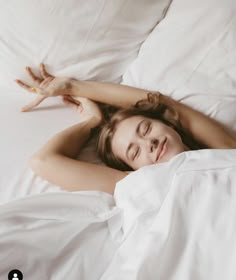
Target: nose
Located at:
point(152, 144)
point(149, 144)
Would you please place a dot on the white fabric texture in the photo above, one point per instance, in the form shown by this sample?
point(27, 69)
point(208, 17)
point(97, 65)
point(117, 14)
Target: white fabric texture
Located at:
point(191, 57)
point(59, 236)
point(179, 219)
point(92, 40)
point(172, 221)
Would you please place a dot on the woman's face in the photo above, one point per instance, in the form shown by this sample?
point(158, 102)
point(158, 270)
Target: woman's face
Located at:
point(141, 141)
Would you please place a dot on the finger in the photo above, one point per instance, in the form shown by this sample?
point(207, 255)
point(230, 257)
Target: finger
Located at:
point(69, 103)
point(70, 98)
point(46, 82)
point(24, 85)
point(33, 76)
point(78, 107)
point(29, 88)
point(43, 71)
point(33, 104)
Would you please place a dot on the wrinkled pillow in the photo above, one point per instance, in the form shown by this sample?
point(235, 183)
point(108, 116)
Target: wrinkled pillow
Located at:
point(93, 39)
point(191, 56)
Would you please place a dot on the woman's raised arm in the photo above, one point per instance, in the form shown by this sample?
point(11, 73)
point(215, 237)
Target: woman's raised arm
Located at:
point(56, 160)
point(203, 129)
point(109, 93)
point(47, 85)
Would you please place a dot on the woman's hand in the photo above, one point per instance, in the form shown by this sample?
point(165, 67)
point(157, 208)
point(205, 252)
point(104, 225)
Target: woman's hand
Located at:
point(46, 86)
point(88, 109)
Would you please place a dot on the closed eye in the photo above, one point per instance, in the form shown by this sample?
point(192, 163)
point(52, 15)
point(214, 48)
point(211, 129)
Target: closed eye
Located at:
point(135, 154)
point(147, 129)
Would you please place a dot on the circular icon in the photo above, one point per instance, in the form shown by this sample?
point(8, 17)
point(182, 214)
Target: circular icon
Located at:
point(15, 274)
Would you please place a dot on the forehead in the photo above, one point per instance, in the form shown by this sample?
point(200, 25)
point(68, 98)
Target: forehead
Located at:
point(125, 133)
point(128, 126)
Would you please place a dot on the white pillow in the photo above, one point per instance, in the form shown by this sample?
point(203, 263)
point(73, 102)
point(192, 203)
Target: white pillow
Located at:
point(191, 56)
point(93, 39)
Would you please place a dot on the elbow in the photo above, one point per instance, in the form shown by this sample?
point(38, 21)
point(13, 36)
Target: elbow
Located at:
point(39, 163)
point(36, 163)
point(42, 164)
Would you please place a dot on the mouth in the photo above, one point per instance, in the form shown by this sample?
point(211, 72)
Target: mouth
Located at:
point(161, 150)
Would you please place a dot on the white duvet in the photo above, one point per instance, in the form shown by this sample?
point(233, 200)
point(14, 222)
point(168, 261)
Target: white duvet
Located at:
point(175, 220)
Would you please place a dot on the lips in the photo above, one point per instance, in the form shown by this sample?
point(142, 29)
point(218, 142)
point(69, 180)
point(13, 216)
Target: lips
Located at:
point(161, 149)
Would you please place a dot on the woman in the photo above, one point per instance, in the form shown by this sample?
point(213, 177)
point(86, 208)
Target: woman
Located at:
point(155, 131)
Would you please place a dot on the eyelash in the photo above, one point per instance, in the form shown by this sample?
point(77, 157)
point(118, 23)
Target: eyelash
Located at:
point(147, 129)
point(135, 155)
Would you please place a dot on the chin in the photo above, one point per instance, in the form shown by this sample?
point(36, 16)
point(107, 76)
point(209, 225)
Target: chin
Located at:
point(169, 156)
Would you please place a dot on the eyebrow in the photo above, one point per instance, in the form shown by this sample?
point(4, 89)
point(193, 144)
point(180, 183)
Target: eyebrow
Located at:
point(137, 131)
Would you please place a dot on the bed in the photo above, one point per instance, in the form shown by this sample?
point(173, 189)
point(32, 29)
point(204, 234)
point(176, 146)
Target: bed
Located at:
point(185, 49)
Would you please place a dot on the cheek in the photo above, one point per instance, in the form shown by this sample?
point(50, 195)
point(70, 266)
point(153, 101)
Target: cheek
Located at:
point(178, 139)
point(143, 160)
point(174, 135)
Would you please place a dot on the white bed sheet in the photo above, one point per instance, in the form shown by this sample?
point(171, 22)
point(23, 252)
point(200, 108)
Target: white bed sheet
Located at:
point(59, 236)
point(172, 221)
point(179, 219)
point(22, 134)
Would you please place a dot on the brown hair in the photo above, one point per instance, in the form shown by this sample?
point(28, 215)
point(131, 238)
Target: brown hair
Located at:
point(151, 107)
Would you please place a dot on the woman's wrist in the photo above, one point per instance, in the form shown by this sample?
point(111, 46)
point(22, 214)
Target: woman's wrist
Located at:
point(74, 86)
